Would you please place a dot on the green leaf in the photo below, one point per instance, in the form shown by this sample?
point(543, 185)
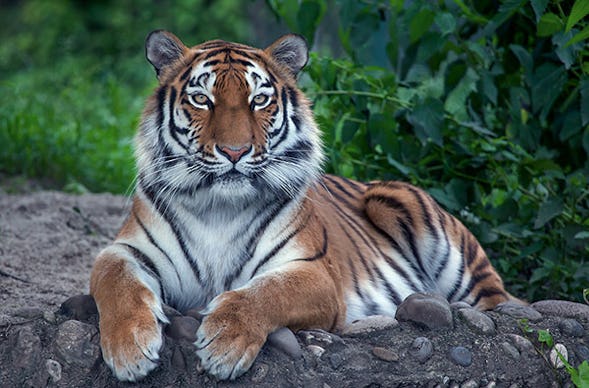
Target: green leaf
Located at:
point(525, 59)
point(578, 37)
point(539, 7)
point(446, 22)
point(420, 24)
point(456, 101)
point(549, 24)
point(545, 337)
point(548, 210)
point(308, 17)
point(579, 11)
point(582, 235)
point(584, 86)
point(429, 116)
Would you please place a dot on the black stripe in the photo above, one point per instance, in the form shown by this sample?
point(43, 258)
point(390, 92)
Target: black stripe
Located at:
point(486, 293)
point(354, 185)
point(151, 192)
point(460, 275)
point(284, 128)
point(145, 262)
point(321, 253)
point(280, 245)
point(294, 99)
point(361, 232)
point(185, 75)
point(155, 244)
point(407, 226)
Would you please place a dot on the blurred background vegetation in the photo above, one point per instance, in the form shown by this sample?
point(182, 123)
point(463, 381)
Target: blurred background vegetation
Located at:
point(483, 103)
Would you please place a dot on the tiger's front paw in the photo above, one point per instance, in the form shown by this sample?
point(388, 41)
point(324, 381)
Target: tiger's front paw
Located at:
point(229, 338)
point(130, 346)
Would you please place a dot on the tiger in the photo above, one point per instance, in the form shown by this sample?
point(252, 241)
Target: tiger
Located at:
point(232, 215)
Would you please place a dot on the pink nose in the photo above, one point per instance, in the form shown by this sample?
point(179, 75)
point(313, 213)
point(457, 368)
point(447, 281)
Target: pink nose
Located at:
point(233, 153)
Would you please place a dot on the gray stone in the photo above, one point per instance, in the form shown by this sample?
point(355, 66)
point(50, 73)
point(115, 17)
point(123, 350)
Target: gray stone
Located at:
point(572, 327)
point(429, 310)
point(461, 355)
point(259, 372)
point(318, 336)
point(178, 360)
point(522, 344)
point(422, 349)
point(182, 328)
point(562, 308)
point(477, 320)
point(29, 312)
point(79, 307)
point(370, 324)
point(336, 360)
point(74, 344)
point(510, 350)
point(53, 369)
point(518, 311)
point(26, 350)
point(470, 384)
point(284, 339)
point(385, 354)
point(316, 350)
point(558, 351)
point(582, 352)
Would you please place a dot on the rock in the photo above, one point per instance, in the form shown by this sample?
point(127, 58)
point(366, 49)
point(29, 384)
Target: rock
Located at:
point(79, 307)
point(582, 352)
point(477, 320)
point(318, 336)
point(194, 313)
point(369, 324)
point(74, 344)
point(259, 372)
point(510, 350)
point(522, 344)
point(429, 310)
point(49, 316)
point(470, 384)
point(170, 312)
point(336, 360)
point(571, 327)
point(182, 328)
point(316, 350)
point(53, 369)
point(28, 312)
point(284, 340)
point(26, 350)
point(461, 355)
point(385, 354)
point(562, 308)
point(554, 357)
point(518, 311)
point(422, 349)
point(178, 360)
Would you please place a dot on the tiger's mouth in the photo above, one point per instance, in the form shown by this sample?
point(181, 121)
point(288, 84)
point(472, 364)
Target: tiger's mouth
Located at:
point(233, 175)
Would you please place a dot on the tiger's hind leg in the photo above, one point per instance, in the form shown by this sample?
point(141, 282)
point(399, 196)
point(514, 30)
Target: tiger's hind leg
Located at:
point(444, 254)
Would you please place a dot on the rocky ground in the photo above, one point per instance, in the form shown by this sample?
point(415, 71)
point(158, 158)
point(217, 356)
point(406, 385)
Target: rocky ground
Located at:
point(47, 338)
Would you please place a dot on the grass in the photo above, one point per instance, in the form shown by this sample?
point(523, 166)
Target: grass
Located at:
point(72, 124)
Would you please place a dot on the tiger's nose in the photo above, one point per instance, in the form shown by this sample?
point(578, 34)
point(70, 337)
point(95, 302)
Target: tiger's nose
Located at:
point(233, 153)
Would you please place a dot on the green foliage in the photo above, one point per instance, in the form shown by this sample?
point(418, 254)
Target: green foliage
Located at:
point(485, 105)
point(579, 375)
point(74, 81)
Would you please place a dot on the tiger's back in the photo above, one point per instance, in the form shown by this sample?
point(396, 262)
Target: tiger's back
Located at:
point(232, 215)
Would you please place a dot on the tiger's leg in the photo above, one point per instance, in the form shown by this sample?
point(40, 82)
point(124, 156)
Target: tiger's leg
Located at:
point(130, 314)
point(237, 322)
point(445, 254)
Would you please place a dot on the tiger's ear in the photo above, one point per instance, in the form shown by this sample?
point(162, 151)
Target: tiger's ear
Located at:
point(162, 48)
point(290, 51)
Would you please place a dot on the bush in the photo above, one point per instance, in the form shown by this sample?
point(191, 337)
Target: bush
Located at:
point(484, 105)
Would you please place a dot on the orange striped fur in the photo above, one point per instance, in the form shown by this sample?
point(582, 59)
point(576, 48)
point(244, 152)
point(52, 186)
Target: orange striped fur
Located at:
point(233, 215)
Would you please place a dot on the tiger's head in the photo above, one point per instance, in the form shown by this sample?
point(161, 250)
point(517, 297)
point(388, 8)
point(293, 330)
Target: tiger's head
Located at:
point(227, 121)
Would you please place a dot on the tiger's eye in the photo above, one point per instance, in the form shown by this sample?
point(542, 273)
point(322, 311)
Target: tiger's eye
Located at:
point(200, 99)
point(260, 99)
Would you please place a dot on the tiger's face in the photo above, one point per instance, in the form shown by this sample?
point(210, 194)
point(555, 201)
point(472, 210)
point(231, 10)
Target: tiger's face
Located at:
point(227, 120)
